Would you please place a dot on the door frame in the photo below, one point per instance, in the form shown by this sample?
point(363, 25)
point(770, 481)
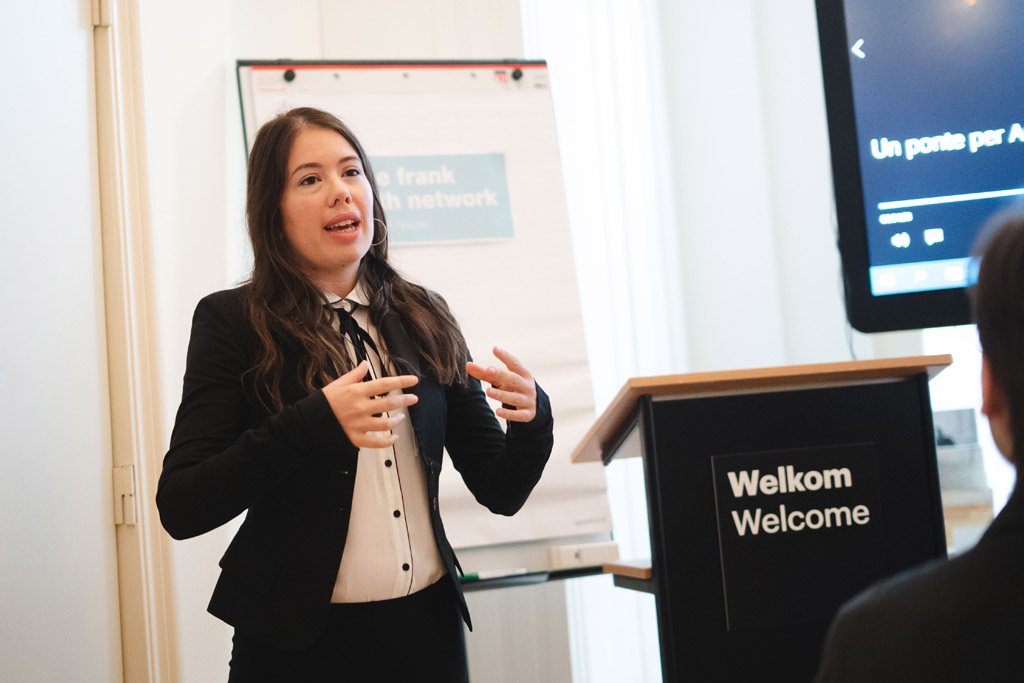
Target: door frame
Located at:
point(145, 587)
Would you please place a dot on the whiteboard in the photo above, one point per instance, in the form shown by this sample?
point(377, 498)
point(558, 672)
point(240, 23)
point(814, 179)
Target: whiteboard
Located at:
point(466, 157)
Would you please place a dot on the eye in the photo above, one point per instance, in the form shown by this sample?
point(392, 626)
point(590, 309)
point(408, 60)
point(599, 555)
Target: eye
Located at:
point(308, 180)
point(353, 172)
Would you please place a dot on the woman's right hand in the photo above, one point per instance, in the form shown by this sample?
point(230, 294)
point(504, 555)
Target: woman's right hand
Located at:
point(361, 406)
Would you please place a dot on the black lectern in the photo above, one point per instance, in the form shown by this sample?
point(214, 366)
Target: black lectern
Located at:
point(773, 495)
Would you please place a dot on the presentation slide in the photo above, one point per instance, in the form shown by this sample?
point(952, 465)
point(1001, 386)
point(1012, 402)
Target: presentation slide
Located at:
point(938, 90)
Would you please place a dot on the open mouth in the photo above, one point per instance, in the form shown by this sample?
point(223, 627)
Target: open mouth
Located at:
point(343, 226)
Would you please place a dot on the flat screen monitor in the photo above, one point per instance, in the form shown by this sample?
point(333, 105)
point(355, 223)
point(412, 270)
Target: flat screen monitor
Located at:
point(925, 103)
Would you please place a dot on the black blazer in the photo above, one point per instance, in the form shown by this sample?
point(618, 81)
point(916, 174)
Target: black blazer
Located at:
point(955, 620)
point(294, 472)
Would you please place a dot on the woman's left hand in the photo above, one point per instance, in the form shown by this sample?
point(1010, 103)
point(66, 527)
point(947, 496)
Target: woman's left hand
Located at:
point(514, 387)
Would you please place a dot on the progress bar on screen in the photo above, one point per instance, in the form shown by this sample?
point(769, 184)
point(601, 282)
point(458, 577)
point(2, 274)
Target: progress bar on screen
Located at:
point(949, 199)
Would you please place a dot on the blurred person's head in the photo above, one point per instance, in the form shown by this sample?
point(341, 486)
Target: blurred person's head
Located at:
point(997, 301)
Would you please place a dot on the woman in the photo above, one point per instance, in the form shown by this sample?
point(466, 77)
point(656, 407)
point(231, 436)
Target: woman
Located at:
point(317, 399)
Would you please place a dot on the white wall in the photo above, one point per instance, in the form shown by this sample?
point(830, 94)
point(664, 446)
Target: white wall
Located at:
point(753, 183)
point(58, 590)
point(753, 178)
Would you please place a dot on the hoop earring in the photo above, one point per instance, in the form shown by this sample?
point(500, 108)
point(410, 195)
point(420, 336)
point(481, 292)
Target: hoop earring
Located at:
point(384, 227)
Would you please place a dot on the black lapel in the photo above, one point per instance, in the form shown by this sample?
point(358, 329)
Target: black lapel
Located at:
point(420, 413)
point(398, 342)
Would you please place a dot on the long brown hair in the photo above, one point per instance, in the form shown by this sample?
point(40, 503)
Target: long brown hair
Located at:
point(286, 307)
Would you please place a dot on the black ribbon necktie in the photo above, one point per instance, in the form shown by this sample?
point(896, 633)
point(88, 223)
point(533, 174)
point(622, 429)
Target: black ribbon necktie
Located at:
point(348, 327)
point(360, 338)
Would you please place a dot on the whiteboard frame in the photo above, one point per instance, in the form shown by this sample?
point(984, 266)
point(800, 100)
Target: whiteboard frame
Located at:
point(531, 554)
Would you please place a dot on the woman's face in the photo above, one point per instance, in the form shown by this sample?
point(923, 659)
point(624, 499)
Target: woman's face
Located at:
point(327, 207)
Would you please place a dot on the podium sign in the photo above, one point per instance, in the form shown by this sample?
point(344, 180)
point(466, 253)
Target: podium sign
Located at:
point(808, 520)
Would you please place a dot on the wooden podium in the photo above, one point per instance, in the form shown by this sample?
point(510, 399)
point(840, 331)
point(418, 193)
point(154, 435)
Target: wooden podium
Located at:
point(773, 496)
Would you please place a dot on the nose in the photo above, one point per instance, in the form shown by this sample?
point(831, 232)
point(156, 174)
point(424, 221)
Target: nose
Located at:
point(340, 192)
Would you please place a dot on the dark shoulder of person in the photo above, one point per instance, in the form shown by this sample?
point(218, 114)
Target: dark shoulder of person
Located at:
point(955, 620)
point(232, 304)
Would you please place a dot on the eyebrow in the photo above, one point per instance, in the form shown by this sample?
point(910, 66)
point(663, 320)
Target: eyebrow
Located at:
point(313, 164)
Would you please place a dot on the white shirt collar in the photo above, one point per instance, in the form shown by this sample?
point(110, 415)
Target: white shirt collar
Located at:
point(357, 296)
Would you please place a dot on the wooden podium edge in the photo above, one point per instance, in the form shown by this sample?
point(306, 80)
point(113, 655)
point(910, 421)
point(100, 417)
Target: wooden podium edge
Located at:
point(636, 569)
point(634, 575)
point(608, 429)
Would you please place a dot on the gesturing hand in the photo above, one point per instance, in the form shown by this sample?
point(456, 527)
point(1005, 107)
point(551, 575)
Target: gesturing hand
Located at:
point(513, 387)
point(360, 406)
